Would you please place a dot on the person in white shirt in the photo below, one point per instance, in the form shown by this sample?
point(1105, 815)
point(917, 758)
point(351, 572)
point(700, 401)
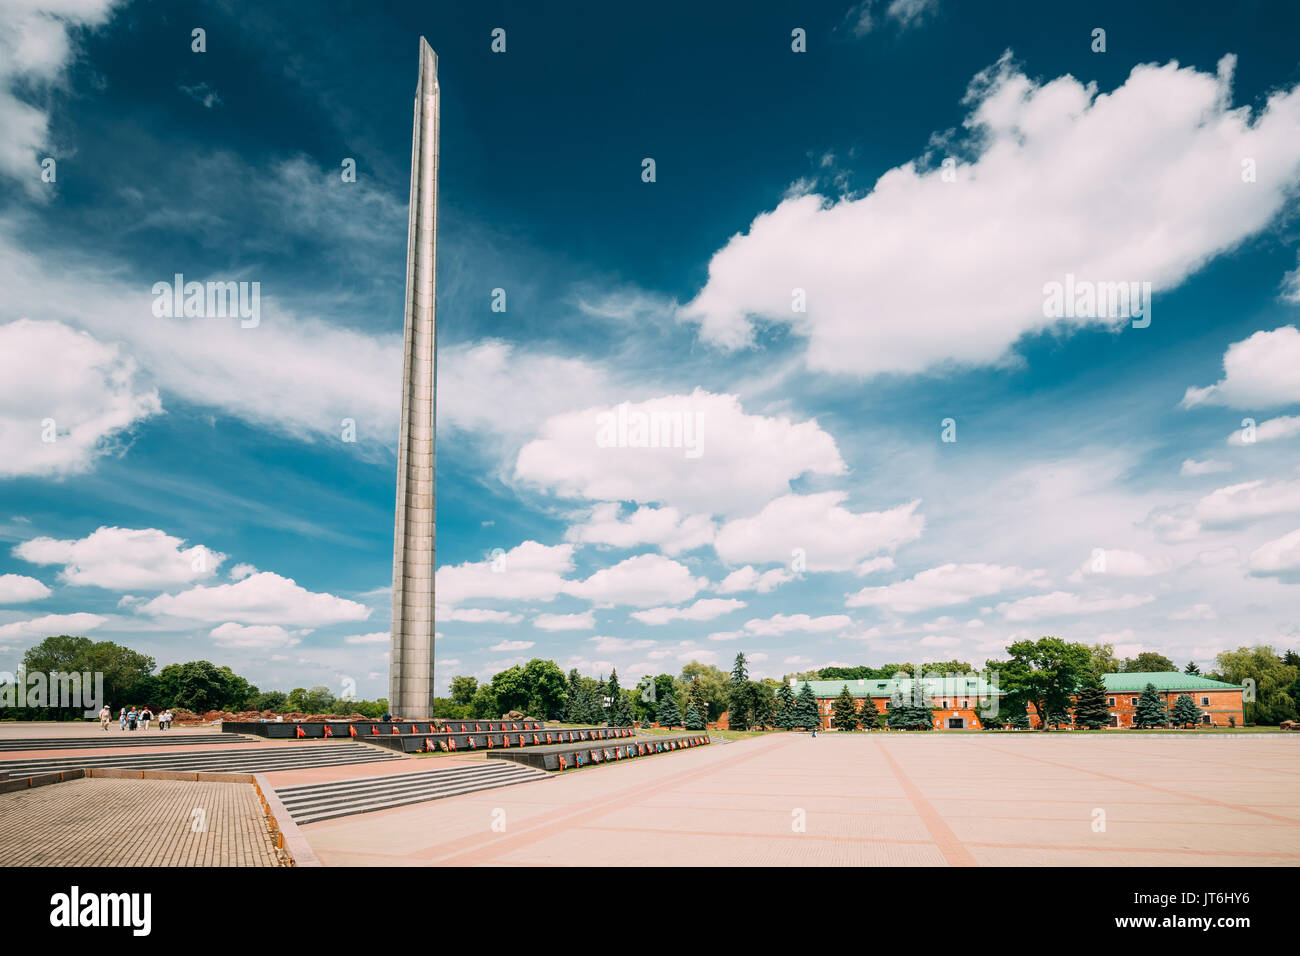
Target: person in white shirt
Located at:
point(105, 715)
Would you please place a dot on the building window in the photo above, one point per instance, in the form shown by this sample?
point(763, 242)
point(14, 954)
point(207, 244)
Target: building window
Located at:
point(945, 705)
point(1205, 702)
point(1205, 718)
point(1132, 701)
point(965, 705)
point(1110, 701)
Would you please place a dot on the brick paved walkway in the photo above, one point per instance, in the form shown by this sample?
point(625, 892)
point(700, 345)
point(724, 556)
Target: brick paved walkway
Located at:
point(870, 800)
point(134, 823)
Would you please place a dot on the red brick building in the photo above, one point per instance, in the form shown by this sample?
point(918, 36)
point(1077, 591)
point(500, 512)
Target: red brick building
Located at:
point(963, 703)
point(956, 700)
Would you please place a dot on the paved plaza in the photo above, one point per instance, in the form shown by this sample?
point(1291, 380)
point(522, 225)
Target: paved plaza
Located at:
point(134, 823)
point(1104, 799)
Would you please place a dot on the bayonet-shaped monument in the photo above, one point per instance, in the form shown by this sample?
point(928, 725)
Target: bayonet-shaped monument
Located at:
point(410, 668)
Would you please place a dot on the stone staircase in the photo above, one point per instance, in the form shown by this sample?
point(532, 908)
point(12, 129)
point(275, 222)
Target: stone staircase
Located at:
point(313, 802)
point(260, 759)
point(154, 738)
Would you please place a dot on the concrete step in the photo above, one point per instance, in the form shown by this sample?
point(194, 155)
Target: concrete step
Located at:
point(312, 803)
point(252, 760)
point(153, 738)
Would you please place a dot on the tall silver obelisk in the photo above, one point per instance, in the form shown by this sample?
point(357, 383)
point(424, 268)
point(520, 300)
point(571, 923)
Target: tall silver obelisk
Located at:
point(410, 668)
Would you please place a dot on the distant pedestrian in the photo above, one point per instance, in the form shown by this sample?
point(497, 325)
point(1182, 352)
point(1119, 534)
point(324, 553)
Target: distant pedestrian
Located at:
point(814, 730)
point(165, 719)
point(122, 718)
point(132, 716)
point(146, 715)
point(105, 715)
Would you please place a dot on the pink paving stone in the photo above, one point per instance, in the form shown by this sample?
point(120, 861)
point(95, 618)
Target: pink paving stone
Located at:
point(875, 800)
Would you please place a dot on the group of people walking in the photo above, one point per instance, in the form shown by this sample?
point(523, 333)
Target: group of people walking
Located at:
point(130, 719)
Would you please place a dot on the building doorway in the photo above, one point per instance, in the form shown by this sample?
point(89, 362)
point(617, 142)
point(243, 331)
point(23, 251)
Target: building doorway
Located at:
point(956, 723)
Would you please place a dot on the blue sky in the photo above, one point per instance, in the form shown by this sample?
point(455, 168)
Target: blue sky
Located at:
point(198, 499)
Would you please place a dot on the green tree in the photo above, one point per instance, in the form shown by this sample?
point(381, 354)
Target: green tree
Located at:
point(868, 716)
point(1149, 661)
point(693, 719)
point(319, 700)
point(1270, 677)
point(695, 698)
point(620, 709)
point(669, 715)
point(1185, 713)
point(201, 686)
point(844, 715)
point(1192, 669)
point(463, 689)
point(910, 709)
point(785, 705)
point(1102, 659)
point(806, 714)
point(546, 689)
point(127, 676)
point(740, 697)
point(762, 705)
point(484, 704)
point(1150, 710)
point(271, 700)
point(1045, 674)
point(510, 690)
point(1090, 709)
point(715, 683)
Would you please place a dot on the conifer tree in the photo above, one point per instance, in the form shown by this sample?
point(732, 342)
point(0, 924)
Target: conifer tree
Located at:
point(669, 715)
point(1058, 717)
point(806, 714)
point(695, 698)
point(1090, 709)
point(762, 705)
point(922, 709)
point(911, 710)
point(740, 699)
point(1192, 669)
point(784, 718)
point(1151, 710)
point(575, 706)
point(693, 719)
point(1185, 712)
point(620, 711)
point(845, 713)
point(869, 717)
point(1020, 719)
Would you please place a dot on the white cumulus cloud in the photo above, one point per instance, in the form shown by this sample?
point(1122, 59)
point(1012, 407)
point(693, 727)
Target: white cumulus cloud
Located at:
point(118, 558)
point(947, 585)
point(262, 598)
point(830, 537)
point(1023, 213)
point(65, 398)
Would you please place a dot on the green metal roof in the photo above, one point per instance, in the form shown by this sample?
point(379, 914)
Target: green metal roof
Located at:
point(950, 687)
point(1164, 680)
point(934, 687)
